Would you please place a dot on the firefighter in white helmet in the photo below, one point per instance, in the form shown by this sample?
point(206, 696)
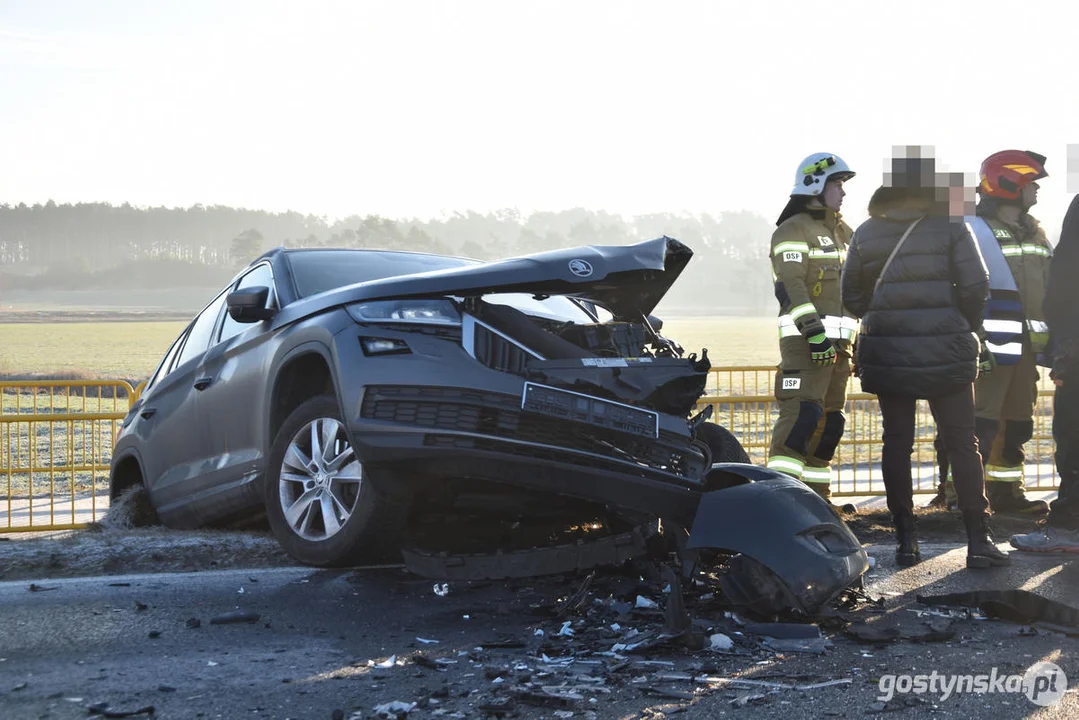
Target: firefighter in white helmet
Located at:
point(816, 335)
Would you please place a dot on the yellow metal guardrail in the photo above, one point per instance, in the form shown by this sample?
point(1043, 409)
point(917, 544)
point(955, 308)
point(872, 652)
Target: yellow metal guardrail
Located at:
point(56, 441)
point(743, 401)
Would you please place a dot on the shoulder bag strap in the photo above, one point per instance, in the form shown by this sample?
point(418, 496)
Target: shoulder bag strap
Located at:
point(895, 251)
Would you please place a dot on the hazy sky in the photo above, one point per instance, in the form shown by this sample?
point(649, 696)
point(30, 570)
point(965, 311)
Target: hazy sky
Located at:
point(409, 108)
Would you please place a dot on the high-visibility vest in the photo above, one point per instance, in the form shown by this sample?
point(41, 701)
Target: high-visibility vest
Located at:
point(1004, 318)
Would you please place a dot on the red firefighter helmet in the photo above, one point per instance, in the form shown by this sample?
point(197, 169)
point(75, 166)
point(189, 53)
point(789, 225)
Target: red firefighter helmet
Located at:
point(1004, 174)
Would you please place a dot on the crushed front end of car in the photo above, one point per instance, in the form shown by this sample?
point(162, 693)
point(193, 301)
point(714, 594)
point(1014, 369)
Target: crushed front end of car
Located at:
point(534, 400)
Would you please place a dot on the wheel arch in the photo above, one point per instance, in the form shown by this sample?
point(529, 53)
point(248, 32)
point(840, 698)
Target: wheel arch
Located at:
point(303, 372)
point(126, 473)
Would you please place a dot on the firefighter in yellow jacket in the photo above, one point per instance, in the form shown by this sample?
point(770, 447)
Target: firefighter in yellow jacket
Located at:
point(1005, 398)
point(815, 334)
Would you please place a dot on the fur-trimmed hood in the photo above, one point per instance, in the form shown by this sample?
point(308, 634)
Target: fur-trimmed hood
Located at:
point(905, 204)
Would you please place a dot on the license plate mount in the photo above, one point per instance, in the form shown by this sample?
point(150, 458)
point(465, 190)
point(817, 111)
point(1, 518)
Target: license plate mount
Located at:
point(590, 410)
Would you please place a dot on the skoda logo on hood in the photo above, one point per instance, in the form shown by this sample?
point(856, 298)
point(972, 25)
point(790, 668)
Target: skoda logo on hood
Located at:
point(580, 268)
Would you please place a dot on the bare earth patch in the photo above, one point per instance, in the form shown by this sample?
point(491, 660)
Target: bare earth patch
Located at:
point(934, 525)
point(82, 553)
point(121, 544)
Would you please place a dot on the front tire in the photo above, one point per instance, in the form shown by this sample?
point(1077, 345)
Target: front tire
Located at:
point(321, 506)
point(723, 444)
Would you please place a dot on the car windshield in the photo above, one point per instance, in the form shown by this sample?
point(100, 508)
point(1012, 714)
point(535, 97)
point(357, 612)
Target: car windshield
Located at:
point(321, 270)
point(316, 271)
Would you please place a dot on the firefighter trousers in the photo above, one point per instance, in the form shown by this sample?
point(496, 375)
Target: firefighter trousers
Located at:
point(1006, 397)
point(810, 425)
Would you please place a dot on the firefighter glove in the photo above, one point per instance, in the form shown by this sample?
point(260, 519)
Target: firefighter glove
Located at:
point(821, 350)
point(986, 360)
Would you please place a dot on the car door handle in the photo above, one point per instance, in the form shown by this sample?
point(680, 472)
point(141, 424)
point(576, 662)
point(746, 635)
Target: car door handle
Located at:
point(203, 382)
point(147, 413)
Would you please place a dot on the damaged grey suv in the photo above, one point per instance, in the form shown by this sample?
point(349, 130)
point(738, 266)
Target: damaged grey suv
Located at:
point(370, 402)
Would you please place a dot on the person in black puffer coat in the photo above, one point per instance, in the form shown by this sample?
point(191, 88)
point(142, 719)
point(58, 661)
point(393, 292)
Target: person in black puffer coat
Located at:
point(918, 339)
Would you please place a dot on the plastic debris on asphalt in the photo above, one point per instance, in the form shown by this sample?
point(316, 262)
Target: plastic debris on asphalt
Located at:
point(605, 638)
point(395, 709)
point(719, 641)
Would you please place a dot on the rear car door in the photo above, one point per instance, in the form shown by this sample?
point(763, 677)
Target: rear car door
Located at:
point(231, 403)
point(153, 410)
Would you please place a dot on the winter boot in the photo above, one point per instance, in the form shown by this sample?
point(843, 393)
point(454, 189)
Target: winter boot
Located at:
point(945, 499)
point(940, 500)
point(907, 552)
point(1010, 498)
point(981, 552)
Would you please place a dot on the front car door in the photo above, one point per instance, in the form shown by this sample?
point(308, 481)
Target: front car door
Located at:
point(231, 405)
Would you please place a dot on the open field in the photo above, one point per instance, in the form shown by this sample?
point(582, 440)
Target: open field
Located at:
point(183, 301)
point(131, 350)
point(731, 341)
point(106, 350)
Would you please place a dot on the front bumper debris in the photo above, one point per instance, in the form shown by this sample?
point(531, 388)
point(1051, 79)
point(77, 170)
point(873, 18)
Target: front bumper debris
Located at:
point(791, 550)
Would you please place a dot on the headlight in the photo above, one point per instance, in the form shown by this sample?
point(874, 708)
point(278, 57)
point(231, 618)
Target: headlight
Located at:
point(426, 312)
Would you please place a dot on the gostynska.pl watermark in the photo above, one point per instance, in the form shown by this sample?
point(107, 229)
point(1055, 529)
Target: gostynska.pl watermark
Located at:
point(1044, 684)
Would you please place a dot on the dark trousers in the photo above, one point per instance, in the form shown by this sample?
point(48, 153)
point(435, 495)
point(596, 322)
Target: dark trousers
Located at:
point(1064, 511)
point(954, 416)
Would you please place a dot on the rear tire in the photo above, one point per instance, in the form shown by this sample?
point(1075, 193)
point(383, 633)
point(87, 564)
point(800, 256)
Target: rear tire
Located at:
point(320, 504)
point(723, 444)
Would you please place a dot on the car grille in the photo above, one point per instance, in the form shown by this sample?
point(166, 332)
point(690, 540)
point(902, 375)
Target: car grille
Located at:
point(496, 352)
point(498, 415)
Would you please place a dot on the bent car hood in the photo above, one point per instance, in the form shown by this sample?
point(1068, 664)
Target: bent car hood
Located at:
point(629, 280)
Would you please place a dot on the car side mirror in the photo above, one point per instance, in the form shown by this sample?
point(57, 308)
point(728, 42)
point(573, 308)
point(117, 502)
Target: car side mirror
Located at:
point(655, 322)
point(249, 305)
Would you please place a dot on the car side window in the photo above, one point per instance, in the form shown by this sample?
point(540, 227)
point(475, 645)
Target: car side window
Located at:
point(261, 275)
point(166, 363)
point(198, 338)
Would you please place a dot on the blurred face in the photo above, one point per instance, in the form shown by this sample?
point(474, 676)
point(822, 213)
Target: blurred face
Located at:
point(1029, 195)
point(833, 194)
point(960, 201)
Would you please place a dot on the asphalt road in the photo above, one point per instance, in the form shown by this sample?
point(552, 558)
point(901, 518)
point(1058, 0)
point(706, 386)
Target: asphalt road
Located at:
point(72, 647)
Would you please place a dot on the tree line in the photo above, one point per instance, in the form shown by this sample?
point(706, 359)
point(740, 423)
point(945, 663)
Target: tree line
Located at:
point(93, 245)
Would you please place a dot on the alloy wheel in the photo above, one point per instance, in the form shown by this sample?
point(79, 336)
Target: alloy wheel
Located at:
point(320, 480)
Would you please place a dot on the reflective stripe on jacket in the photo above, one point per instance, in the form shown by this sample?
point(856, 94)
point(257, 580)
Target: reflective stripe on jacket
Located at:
point(1003, 326)
point(1028, 253)
point(807, 256)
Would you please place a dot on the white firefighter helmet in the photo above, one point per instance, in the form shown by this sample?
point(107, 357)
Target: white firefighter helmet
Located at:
point(816, 170)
